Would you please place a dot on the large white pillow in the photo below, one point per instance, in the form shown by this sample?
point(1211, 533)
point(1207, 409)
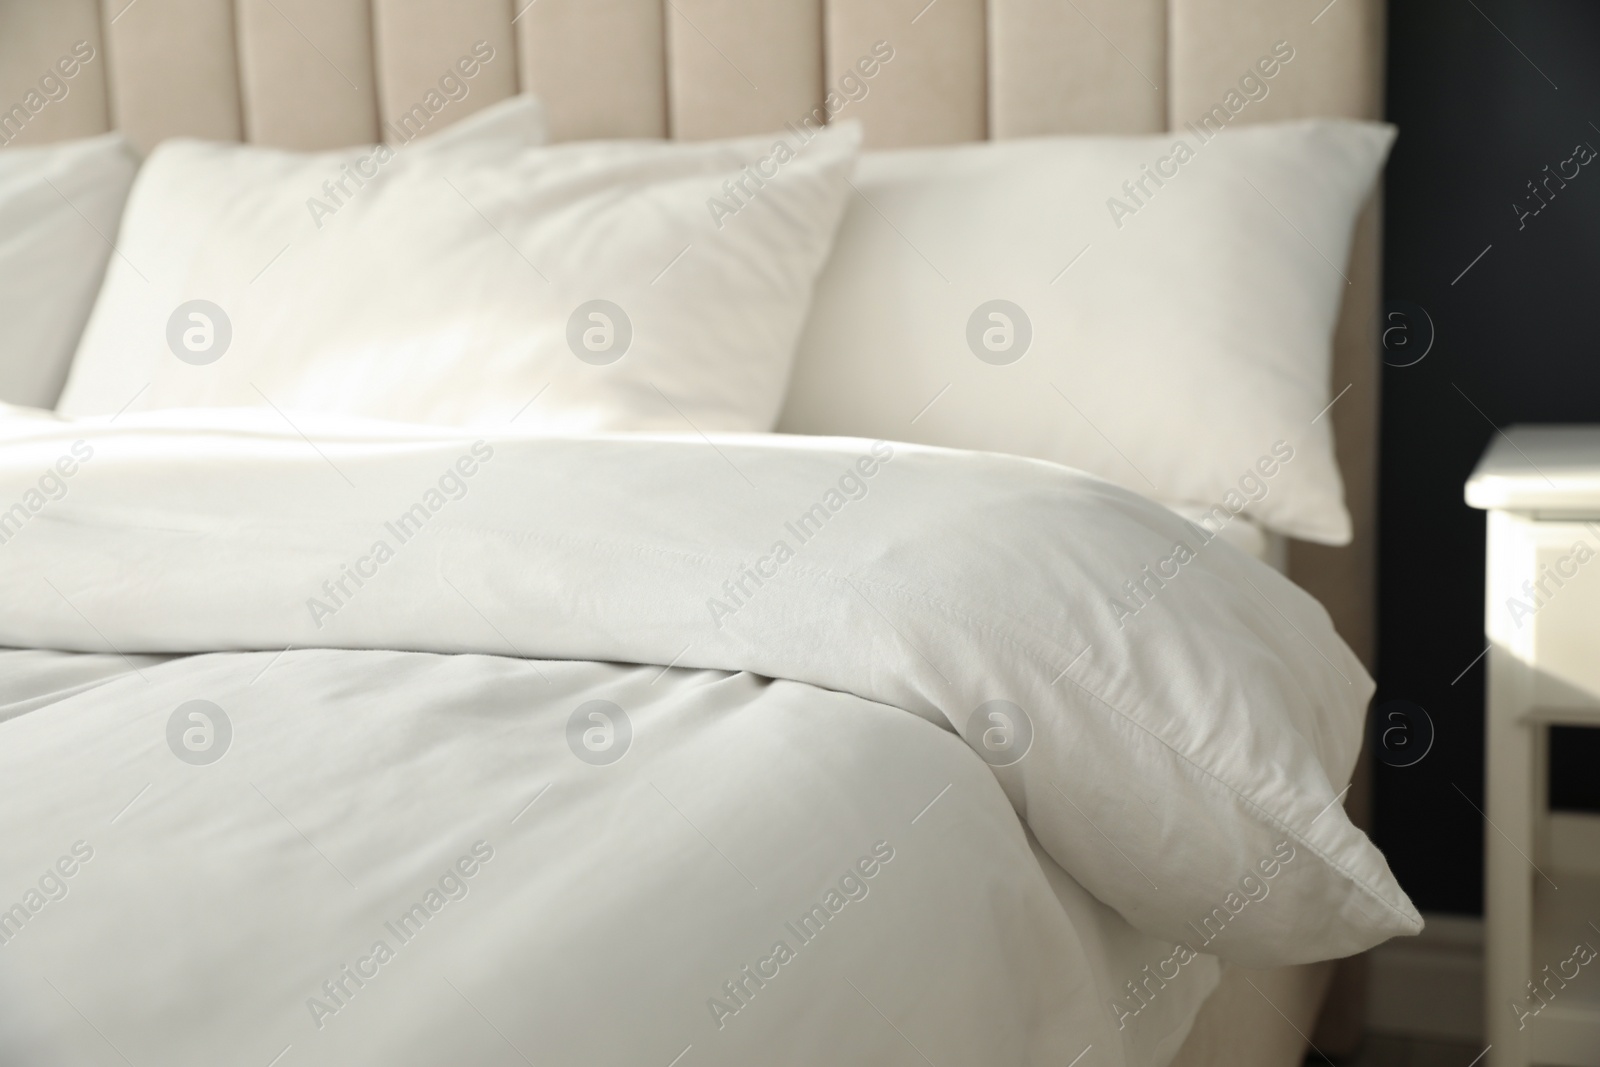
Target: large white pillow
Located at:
point(1155, 310)
point(625, 285)
point(209, 223)
point(59, 206)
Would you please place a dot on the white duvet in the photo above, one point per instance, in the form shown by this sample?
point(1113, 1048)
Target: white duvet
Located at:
point(370, 744)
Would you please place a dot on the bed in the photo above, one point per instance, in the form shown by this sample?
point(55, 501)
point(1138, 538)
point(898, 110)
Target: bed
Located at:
point(661, 738)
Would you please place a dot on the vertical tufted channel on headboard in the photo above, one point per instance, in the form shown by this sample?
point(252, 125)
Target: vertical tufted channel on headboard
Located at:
point(730, 74)
point(936, 90)
point(418, 44)
point(599, 66)
point(1093, 66)
point(33, 38)
point(302, 91)
point(173, 69)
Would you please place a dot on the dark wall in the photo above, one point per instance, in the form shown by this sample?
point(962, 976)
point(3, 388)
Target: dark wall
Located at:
point(1481, 112)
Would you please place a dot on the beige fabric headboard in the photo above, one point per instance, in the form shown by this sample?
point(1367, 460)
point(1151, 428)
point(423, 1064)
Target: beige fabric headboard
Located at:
point(323, 73)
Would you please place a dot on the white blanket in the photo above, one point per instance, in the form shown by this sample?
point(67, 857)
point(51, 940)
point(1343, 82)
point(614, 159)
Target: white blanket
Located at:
point(620, 860)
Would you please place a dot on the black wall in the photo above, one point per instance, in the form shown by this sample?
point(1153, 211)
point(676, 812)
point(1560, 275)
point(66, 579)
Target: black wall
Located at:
point(1481, 112)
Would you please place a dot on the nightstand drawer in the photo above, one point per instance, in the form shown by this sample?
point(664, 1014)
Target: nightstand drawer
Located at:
point(1561, 605)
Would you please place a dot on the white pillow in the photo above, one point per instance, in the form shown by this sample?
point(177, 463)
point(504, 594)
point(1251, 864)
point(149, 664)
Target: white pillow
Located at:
point(208, 221)
point(59, 206)
point(601, 278)
point(1165, 325)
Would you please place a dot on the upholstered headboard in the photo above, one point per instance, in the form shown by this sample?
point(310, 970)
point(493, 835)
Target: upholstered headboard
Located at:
point(323, 73)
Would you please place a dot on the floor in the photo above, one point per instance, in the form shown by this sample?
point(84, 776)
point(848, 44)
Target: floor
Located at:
point(1408, 1052)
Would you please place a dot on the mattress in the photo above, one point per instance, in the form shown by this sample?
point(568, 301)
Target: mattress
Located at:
point(1258, 1018)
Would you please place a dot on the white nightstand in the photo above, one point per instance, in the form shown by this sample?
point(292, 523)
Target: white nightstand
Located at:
point(1541, 487)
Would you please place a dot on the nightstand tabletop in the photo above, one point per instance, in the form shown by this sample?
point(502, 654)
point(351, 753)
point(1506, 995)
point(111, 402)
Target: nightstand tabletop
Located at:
point(1539, 468)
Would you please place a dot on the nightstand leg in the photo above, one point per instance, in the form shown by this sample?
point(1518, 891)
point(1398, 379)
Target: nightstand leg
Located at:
point(1512, 805)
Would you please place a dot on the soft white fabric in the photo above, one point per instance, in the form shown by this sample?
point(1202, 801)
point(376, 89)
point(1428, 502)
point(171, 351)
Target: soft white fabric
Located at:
point(1242, 533)
point(602, 927)
point(59, 206)
point(1193, 715)
point(1178, 333)
point(588, 286)
point(273, 240)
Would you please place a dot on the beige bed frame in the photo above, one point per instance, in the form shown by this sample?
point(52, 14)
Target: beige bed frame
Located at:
point(309, 74)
